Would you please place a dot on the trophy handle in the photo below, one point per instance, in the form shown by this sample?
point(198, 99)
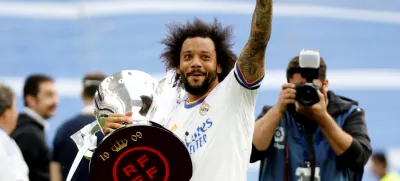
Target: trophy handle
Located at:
point(86, 141)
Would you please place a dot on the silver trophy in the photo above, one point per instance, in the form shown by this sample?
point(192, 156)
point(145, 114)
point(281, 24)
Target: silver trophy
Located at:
point(150, 101)
point(125, 91)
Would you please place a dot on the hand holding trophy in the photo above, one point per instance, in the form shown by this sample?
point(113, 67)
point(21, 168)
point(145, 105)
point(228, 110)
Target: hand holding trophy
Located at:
point(135, 147)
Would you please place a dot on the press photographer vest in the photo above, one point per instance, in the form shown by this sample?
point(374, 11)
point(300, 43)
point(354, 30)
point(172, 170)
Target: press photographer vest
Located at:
point(289, 133)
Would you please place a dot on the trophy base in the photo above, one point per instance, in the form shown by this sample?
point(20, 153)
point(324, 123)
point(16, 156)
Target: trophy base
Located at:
point(141, 153)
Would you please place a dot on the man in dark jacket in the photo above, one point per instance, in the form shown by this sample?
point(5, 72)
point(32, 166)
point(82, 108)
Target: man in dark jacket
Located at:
point(65, 150)
point(328, 140)
point(41, 100)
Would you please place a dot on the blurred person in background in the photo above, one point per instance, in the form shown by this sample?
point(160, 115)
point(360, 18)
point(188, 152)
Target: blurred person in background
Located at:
point(379, 167)
point(12, 163)
point(41, 100)
point(335, 128)
point(64, 148)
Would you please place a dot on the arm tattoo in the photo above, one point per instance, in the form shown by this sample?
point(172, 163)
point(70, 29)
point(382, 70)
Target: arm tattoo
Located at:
point(251, 60)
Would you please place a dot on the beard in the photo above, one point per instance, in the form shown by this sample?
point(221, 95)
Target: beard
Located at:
point(48, 114)
point(204, 87)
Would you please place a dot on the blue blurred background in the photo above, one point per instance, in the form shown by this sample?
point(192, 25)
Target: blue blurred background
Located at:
point(68, 38)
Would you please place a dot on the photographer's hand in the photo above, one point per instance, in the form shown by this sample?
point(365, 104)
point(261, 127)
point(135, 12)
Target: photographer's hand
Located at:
point(287, 96)
point(339, 140)
point(315, 112)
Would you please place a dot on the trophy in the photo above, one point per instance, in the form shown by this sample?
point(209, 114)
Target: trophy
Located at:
point(141, 151)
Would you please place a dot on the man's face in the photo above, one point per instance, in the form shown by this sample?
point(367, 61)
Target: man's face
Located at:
point(12, 115)
point(298, 79)
point(377, 167)
point(198, 65)
point(46, 102)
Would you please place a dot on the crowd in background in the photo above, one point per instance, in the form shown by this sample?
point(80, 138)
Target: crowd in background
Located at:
point(24, 151)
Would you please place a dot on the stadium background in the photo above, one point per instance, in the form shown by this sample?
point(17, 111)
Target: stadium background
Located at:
point(67, 38)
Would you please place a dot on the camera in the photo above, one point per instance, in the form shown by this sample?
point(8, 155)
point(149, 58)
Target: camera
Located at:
point(307, 93)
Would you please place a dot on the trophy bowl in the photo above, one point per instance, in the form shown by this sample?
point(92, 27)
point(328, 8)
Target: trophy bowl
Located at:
point(141, 151)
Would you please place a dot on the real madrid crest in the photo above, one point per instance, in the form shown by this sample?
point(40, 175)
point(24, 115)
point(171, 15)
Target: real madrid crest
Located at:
point(205, 107)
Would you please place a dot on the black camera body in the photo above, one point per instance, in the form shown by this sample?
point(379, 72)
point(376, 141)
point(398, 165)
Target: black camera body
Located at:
point(307, 93)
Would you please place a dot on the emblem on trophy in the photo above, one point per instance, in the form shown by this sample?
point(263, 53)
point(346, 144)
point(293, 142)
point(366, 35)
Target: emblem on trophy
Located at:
point(144, 150)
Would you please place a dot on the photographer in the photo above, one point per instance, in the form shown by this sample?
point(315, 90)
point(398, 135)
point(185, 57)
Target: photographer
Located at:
point(311, 133)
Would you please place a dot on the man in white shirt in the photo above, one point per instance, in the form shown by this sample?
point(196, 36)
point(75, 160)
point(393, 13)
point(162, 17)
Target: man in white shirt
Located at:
point(217, 120)
point(12, 163)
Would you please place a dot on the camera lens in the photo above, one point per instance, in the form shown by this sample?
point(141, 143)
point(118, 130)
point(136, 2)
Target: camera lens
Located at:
point(307, 95)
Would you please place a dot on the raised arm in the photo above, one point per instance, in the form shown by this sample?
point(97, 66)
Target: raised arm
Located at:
point(251, 59)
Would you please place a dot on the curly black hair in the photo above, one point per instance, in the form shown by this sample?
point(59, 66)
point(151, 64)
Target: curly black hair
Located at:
point(221, 36)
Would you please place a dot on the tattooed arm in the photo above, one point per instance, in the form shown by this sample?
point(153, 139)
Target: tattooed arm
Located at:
point(251, 60)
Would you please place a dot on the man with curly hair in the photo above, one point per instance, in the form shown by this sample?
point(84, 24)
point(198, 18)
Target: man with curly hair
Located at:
point(216, 121)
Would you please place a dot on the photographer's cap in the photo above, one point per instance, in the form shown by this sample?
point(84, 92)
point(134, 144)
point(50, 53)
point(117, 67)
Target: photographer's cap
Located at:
point(309, 58)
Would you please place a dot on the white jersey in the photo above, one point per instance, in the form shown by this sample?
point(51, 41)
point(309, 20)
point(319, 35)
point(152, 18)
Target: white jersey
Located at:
point(218, 129)
point(12, 164)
